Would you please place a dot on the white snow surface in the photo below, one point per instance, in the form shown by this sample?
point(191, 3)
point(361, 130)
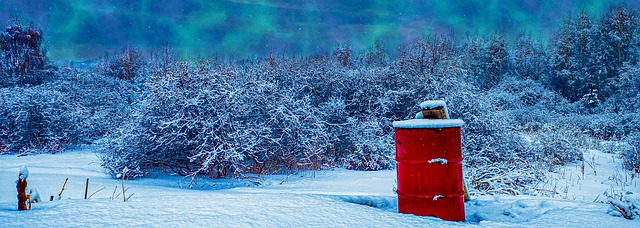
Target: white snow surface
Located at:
point(433, 104)
point(334, 198)
point(24, 173)
point(428, 123)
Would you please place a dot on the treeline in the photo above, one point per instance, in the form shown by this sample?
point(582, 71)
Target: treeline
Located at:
point(528, 105)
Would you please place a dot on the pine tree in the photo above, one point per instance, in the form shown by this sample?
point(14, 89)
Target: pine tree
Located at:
point(472, 56)
point(529, 58)
point(617, 41)
point(591, 98)
point(572, 60)
point(495, 62)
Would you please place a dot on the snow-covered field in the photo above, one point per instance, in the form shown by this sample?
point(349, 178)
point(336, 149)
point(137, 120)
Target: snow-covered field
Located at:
point(336, 198)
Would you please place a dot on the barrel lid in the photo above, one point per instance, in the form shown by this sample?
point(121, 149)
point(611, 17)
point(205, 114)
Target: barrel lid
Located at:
point(428, 123)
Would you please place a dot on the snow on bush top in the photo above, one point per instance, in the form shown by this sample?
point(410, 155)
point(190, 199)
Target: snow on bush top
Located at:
point(427, 123)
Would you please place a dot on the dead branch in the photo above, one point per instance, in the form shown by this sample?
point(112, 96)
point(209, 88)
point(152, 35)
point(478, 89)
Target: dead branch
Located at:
point(96, 192)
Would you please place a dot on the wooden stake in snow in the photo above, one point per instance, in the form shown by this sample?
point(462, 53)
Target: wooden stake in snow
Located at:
point(466, 193)
point(124, 172)
point(86, 189)
point(60, 194)
point(22, 189)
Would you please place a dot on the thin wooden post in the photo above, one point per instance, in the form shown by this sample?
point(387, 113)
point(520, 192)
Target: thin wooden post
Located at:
point(61, 191)
point(124, 172)
point(466, 194)
point(86, 189)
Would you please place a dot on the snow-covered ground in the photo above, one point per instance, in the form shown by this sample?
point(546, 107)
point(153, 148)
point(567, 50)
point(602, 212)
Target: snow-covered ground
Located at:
point(336, 198)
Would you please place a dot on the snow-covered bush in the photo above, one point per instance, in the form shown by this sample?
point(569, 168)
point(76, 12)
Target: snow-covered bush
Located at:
point(497, 161)
point(605, 126)
point(189, 121)
point(556, 147)
point(198, 119)
point(227, 121)
point(514, 93)
point(121, 149)
point(127, 64)
point(75, 107)
point(631, 152)
point(98, 103)
point(371, 146)
point(513, 178)
point(33, 120)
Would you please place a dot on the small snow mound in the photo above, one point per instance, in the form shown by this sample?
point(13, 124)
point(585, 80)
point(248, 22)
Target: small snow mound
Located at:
point(24, 173)
point(496, 210)
point(435, 198)
point(628, 207)
point(34, 196)
point(387, 203)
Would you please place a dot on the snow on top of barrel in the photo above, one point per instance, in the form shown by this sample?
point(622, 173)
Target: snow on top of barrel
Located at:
point(433, 104)
point(428, 123)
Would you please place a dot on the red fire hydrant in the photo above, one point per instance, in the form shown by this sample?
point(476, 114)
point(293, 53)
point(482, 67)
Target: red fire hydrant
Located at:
point(429, 164)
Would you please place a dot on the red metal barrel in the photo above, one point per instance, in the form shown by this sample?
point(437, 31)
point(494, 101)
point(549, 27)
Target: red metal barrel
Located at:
point(429, 166)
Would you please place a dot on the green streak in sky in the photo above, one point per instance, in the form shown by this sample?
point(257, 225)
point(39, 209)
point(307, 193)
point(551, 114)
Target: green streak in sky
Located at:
point(307, 33)
point(191, 34)
point(68, 20)
point(257, 21)
point(596, 6)
point(77, 29)
point(383, 24)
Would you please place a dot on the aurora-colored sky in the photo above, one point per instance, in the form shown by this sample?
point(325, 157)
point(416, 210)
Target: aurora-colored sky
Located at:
point(86, 29)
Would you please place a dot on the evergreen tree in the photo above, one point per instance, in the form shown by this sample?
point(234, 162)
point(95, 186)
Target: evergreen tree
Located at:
point(572, 60)
point(472, 57)
point(495, 62)
point(529, 58)
point(619, 29)
point(617, 43)
point(591, 98)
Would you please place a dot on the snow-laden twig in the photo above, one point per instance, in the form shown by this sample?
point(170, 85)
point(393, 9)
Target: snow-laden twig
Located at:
point(113, 195)
point(96, 192)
